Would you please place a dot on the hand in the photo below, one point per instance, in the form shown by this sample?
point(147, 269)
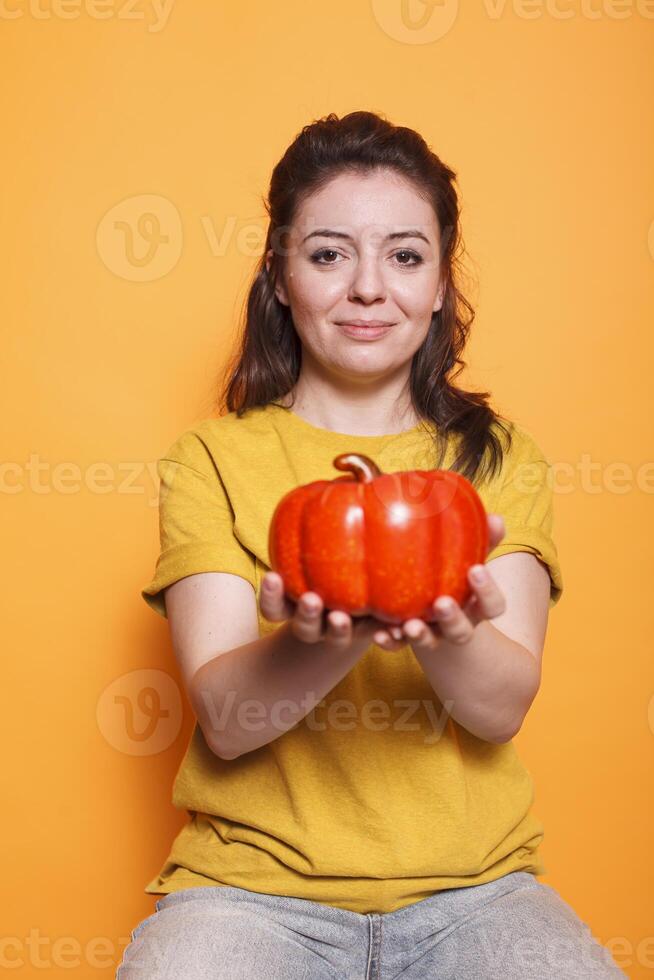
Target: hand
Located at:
point(309, 621)
point(458, 626)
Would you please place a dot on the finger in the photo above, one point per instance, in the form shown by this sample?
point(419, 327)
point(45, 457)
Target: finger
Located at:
point(496, 531)
point(275, 605)
point(391, 638)
point(307, 623)
point(421, 635)
point(455, 626)
point(489, 598)
point(339, 630)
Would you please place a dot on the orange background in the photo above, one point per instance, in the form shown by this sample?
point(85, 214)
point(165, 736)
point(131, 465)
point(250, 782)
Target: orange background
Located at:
point(116, 339)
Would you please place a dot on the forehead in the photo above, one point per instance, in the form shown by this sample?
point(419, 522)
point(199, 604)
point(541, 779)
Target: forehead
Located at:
point(354, 203)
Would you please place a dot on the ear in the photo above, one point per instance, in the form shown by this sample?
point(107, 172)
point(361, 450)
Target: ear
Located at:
point(280, 289)
point(438, 302)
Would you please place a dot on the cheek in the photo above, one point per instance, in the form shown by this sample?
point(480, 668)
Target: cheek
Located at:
point(415, 297)
point(313, 293)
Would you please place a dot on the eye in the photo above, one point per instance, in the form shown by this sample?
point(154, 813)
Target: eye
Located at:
point(407, 251)
point(322, 252)
point(320, 257)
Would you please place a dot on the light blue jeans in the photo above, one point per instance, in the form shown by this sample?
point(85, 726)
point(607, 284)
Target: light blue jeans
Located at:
point(510, 928)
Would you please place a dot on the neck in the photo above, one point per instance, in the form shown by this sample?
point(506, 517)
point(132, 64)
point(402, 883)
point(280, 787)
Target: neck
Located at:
point(369, 410)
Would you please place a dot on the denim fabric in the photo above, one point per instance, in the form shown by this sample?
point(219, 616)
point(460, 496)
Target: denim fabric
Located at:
point(510, 928)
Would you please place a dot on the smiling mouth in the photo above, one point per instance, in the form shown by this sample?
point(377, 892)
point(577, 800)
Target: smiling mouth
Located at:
point(366, 332)
point(364, 323)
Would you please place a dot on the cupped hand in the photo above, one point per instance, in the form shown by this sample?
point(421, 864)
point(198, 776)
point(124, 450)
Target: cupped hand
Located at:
point(310, 622)
point(455, 623)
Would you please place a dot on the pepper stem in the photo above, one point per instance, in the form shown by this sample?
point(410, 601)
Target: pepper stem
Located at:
point(364, 469)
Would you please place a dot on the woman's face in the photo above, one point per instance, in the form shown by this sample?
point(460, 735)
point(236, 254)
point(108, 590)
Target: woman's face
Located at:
point(343, 266)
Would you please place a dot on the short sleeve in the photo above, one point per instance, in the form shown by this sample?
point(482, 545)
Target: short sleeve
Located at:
point(196, 521)
point(525, 501)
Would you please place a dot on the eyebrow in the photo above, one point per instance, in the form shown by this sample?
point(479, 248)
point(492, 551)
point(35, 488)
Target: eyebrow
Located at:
point(328, 233)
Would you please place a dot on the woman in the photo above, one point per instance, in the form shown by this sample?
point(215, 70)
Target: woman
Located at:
point(357, 805)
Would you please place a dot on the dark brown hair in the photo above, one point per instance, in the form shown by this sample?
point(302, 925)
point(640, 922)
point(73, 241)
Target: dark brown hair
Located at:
point(267, 364)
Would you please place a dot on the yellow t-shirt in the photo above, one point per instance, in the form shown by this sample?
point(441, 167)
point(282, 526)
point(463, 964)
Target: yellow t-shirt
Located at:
point(374, 809)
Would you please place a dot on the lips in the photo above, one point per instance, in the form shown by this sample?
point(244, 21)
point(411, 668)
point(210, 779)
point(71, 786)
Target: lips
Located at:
point(366, 332)
point(365, 323)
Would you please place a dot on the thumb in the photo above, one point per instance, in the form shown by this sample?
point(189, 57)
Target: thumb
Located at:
point(275, 605)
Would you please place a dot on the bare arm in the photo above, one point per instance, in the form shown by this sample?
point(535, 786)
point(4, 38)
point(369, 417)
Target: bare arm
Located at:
point(491, 673)
point(247, 694)
point(250, 695)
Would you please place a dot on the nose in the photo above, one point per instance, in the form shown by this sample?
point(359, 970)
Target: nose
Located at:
point(367, 282)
